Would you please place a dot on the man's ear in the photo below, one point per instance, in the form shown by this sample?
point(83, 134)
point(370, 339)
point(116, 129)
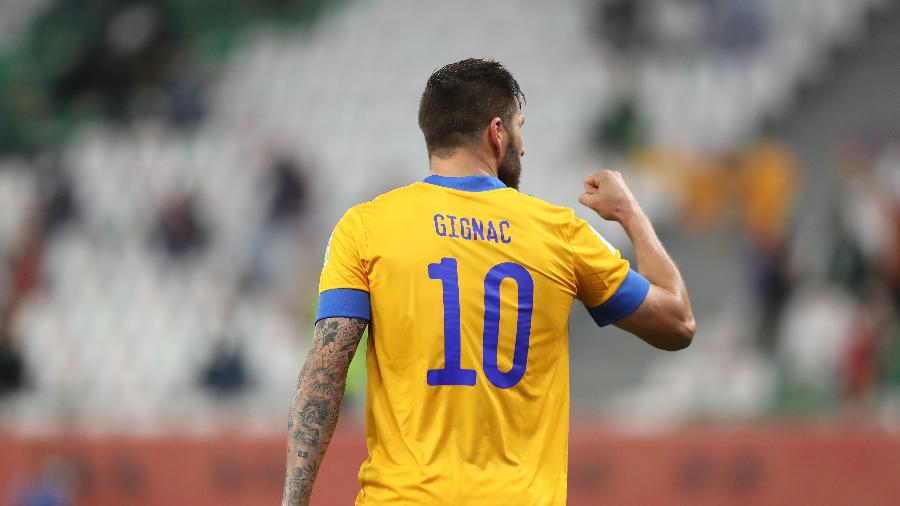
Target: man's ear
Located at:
point(496, 132)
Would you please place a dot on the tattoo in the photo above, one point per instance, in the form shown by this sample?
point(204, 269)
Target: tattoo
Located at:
point(314, 412)
point(324, 381)
point(312, 417)
point(294, 487)
point(300, 378)
point(331, 331)
point(310, 470)
point(300, 487)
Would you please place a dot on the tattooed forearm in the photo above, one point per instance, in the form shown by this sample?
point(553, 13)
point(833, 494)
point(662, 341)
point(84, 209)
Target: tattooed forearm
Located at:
point(312, 416)
point(317, 404)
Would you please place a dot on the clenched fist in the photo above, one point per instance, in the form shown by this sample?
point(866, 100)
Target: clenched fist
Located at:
point(606, 193)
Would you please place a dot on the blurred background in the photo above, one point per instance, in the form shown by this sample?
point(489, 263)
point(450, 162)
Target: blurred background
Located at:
point(170, 171)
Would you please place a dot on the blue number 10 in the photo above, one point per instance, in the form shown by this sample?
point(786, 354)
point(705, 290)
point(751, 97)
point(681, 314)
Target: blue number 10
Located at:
point(452, 373)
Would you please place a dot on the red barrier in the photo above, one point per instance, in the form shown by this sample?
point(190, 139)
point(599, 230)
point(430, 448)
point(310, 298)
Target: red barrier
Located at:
point(696, 466)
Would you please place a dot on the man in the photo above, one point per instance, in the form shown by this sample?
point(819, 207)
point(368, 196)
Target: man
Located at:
point(467, 286)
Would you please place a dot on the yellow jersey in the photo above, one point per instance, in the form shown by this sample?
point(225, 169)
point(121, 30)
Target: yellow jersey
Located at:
point(467, 285)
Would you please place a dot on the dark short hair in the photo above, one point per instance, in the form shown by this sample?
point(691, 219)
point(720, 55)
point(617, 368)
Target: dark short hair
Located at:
point(461, 98)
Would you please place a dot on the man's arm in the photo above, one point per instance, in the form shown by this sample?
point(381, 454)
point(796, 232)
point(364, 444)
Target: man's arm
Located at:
point(665, 318)
point(317, 404)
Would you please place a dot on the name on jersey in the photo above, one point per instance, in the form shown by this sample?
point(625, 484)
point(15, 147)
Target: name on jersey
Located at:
point(472, 229)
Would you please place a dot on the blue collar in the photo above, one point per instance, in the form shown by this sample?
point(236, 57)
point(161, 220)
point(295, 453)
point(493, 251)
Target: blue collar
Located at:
point(466, 183)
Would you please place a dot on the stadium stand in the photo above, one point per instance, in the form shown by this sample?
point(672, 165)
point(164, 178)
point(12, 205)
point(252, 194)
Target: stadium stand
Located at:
point(115, 317)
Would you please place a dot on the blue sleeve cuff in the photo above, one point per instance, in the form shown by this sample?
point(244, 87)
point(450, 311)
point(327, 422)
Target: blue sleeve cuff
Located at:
point(344, 302)
point(628, 297)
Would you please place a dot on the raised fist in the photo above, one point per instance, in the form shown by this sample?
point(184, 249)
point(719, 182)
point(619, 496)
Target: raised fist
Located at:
point(607, 194)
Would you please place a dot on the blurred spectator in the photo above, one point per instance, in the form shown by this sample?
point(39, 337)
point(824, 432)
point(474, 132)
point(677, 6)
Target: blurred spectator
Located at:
point(847, 266)
point(25, 270)
point(706, 189)
point(772, 285)
point(226, 373)
point(12, 367)
point(869, 214)
point(59, 206)
point(620, 23)
point(276, 239)
point(20, 276)
point(186, 92)
point(622, 127)
point(887, 175)
point(287, 186)
point(768, 174)
point(767, 183)
point(815, 334)
point(860, 364)
point(179, 228)
point(736, 26)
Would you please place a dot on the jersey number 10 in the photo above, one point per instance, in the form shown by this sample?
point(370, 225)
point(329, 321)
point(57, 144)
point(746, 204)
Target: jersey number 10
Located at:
point(452, 373)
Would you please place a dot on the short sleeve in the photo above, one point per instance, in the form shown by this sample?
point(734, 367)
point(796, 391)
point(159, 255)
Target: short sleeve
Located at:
point(344, 282)
point(605, 282)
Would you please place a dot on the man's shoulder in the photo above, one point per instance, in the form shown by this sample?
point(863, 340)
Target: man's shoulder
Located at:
point(547, 209)
point(389, 198)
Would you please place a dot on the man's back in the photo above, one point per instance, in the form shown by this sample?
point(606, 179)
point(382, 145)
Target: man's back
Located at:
point(466, 287)
point(470, 285)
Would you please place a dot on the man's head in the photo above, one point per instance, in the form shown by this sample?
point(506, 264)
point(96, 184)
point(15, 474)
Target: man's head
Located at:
point(475, 104)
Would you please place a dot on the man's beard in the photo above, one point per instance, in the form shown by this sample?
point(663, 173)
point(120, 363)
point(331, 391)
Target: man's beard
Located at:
point(510, 168)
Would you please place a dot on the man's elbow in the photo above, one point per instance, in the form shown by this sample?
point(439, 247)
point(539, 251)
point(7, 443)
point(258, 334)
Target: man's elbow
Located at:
point(680, 325)
point(683, 334)
point(677, 336)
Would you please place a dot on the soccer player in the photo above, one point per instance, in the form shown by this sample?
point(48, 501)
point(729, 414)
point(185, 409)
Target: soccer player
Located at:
point(466, 285)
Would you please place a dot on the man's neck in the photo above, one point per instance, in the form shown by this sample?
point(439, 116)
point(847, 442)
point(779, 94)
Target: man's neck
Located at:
point(461, 163)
